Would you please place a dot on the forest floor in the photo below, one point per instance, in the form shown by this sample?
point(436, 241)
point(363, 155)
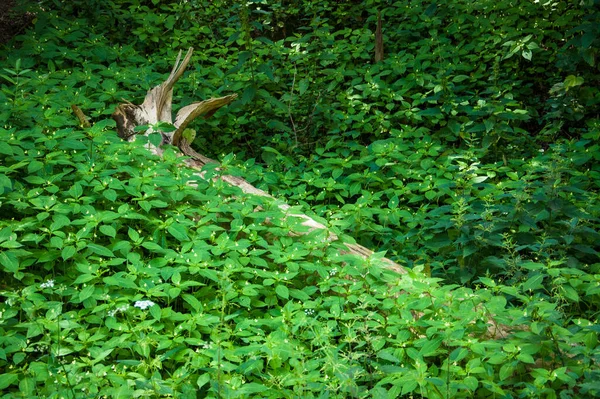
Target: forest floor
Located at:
point(13, 20)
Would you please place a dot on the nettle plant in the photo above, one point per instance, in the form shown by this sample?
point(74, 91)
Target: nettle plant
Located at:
point(121, 279)
point(125, 275)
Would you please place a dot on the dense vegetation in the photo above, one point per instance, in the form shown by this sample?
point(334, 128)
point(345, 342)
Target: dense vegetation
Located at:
point(469, 154)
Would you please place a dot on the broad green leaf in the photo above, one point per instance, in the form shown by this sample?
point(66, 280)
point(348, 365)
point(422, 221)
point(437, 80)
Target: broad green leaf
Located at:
point(203, 380)
point(430, 347)
point(155, 312)
point(192, 301)
point(408, 386)
point(471, 383)
point(506, 371)
point(479, 179)
point(86, 292)
point(573, 81)
point(34, 166)
point(119, 281)
point(9, 261)
point(534, 283)
point(27, 386)
point(302, 86)
point(108, 230)
point(178, 231)
point(5, 149)
point(133, 235)
point(430, 195)
point(7, 380)
point(252, 387)
point(248, 95)
point(460, 78)
point(100, 250)
point(68, 252)
point(110, 194)
point(282, 291)
point(60, 221)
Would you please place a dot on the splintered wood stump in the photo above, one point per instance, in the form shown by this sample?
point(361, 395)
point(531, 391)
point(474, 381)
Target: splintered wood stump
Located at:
point(157, 108)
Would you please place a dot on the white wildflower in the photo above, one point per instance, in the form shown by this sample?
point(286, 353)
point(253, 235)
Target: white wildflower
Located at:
point(143, 304)
point(47, 284)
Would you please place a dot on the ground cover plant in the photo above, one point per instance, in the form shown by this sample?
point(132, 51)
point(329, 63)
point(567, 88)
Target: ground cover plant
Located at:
point(469, 155)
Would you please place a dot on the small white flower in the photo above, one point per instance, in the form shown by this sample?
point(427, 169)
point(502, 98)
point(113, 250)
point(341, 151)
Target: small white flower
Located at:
point(118, 310)
point(47, 284)
point(143, 304)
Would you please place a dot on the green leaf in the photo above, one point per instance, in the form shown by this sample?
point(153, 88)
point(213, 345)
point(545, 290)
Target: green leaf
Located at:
point(454, 127)
point(264, 68)
point(108, 230)
point(460, 78)
point(299, 294)
point(155, 139)
point(110, 194)
point(68, 252)
point(430, 195)
point(430, 347)
point(534, 283)
point(5, 148)
point(192, 301)
point(572, 81)
point(532, 265)
point(302, 86)
point(506, 371)
point(9, 261)
point(409, 386)
point(76, 190)
point(84, 278)
point(155, 312)
point(248, 95)
point(133, 235)
point(60, 221)
point(34, 166)
point(7, 380)
point(203, 380)
point(479, 179)
point(471, 383)
point(570, 293)
point(11, 244)
point(5, 184)
point(152, 246)
point(100, 250)
point(27, 387)
point(252, 387)
point(178, 231)
point(119, 281)
point(282, 291)
point(86, 292)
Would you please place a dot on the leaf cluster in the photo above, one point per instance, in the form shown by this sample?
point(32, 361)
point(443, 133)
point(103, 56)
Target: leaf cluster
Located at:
point(469, 154)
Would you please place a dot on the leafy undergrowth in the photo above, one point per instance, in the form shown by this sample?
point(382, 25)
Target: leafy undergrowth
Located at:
point(470, 155)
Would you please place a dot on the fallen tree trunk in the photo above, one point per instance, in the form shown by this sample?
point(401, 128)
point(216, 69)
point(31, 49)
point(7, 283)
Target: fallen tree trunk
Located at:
point(156, 108)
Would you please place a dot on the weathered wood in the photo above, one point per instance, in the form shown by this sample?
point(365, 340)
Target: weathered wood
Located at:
point(157, 108)
point(83, 120)
point(192, 111)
